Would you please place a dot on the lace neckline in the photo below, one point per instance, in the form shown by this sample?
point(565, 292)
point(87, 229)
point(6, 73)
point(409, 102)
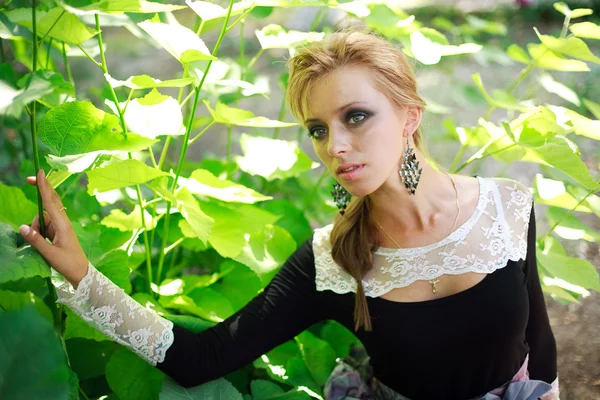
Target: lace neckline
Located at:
point(387, 251)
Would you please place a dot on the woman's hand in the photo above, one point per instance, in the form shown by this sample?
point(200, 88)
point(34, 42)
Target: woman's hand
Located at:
point(64, 254)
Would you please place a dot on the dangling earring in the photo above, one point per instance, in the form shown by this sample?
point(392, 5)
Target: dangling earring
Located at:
point(341, 197)
point(409, 173)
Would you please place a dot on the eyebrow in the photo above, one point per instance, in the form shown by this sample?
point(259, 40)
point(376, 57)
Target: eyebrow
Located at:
point(339, 110)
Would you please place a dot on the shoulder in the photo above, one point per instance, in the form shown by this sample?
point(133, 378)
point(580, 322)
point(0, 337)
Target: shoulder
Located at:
point(516, 198)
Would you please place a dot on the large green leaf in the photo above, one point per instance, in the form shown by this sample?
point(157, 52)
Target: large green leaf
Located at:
point(553, 86)
point(273, 158)
point(215, 389)
point(202, 182)
point(266, 390)
point(123, 6)
point(557, 151)
point(554, 193)
point(121, 174)
point(32, 361)
point(236, 116)
point(190, 323)
point(79, 127)
point(57, 23)
point(15, 208)
point(187, 305)
point(147, 82)
point(570, 226)
point(544, 58)
point(266, 250)
point(240, 285)
point(274, 36)
point(209, 11)
point(19, 262)
point(573, 270)
point(75, 327)
point(572, 47)
point(153, 115)
point(15, 300)
point(232, 224)
point(216, 304)
point(200, 223)
point(33, 87)
point(124, 372)
point(339, 337)
point(564, 9)
point(181, 42)
point(318, 355)
point(587, 30)
point(129, 222)
point(88, 358)
point(508, 103)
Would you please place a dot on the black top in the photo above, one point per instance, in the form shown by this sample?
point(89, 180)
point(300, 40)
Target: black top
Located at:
point(456, 347)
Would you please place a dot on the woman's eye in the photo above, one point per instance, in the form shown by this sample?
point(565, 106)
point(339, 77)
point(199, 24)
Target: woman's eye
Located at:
point(316, 133)
point(357, 118)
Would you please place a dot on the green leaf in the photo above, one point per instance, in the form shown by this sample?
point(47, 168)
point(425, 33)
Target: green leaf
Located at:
point(559, 152)
point(77, 328)
point(318, 355)
point(215, 389)
point(572, 47)
point(239, 117)
point(32, 361)
point(581, 125)
point(339, 337)
point(196, 325)
point(547, 59)
point(573, 270)
point(554, 193)
point(202, 182)
point(240, 285)
point(123, 6)
point(123, 373)
point(216, 304)
point(594, 108)
point(564, 9)
point(263, 390)
point(273, 158)
point(571, 227)
point(147, 82)
point(79, 127)
point(19, 262)
point(88, 358)
point(232, 224)
point(153, 115)
point(209, 11)
point(188, 206)
point(56, 23)
point(299, 374)
point(181, 42)
point(187, 305)
point(552, 86)
point(129, 222)
point(266, 250)
point(15, 300)
point(275, 36)
point(120, 174)
point(587, 30)
point(430, 52)
point(517, 53)
point(15, 208)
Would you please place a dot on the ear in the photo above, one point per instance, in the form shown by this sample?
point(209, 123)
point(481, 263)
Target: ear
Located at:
point(413, 119)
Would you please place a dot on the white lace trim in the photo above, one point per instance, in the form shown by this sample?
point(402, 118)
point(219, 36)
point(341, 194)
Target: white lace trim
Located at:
point(495, 233)
point(107, 307)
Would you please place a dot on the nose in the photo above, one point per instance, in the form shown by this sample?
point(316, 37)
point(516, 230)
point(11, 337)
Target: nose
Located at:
point(338, 141)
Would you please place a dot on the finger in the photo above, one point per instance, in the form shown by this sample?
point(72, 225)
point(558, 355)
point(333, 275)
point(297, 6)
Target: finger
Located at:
point(52, 202)
point(33, 237)
point(50, 232)
point(32, 180)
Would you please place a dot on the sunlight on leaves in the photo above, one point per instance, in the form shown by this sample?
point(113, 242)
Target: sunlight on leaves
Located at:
point(15, 208)
point(202, 182)
point(128, 222)
point(147, 82)
point(120, 174)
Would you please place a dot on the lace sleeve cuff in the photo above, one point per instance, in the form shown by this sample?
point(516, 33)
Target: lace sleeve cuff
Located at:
point(106, 307)
point(552, 394)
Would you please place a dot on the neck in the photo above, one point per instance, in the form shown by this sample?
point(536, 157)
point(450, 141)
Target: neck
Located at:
point(398, 211)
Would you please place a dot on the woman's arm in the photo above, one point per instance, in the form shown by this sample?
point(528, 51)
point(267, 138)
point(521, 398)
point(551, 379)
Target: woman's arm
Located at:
point(539, 336)
point(286, 307)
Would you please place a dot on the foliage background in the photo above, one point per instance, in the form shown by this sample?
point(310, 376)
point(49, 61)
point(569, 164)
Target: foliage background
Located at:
point(203, 277)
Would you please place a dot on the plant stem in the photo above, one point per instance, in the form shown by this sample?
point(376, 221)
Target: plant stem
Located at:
point(48, 52)
point(202, 132)
point(186, 138)
point(229, 134)
point(280, 116)
point(313, 193)
point(320, 14)
point(241, 18)
point(52, 27)
point(140, 198)
point(67, 67)
point(251, 63)
point(563, 33)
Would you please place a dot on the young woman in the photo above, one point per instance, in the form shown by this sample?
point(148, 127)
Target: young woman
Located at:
point(435, 273)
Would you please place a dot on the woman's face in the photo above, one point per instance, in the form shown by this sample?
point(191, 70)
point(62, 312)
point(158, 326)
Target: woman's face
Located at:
point(351, 122)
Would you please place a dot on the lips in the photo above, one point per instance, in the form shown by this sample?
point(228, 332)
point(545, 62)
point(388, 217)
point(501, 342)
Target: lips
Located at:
point(343, 167)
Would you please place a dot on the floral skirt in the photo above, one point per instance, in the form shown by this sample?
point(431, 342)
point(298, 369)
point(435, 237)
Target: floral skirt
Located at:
point(352, 379)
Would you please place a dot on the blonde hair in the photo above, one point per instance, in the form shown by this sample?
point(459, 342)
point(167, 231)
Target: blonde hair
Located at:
point(353, 237)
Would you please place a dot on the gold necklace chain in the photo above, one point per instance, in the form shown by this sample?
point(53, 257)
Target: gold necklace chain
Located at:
point(433, 282)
